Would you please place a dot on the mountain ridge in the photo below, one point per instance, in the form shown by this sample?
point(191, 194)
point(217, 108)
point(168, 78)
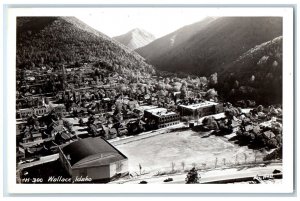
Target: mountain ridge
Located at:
point(216, 44)
point(54, 40)
point(256, 74)
point(164, 44)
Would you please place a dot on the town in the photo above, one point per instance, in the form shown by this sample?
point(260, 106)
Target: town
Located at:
point(74, 121)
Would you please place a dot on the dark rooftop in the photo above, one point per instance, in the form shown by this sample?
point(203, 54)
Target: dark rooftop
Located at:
point(92, 152)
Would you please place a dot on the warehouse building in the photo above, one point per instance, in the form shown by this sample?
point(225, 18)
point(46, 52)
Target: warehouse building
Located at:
point(201, 109)
point(93, 158)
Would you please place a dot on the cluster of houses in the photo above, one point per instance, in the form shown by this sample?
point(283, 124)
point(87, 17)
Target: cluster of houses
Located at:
point(104, 105)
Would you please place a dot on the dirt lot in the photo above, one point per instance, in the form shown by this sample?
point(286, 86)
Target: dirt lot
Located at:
point(158, 152)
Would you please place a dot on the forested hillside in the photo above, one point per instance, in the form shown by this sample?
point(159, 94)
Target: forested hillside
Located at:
point(66, 40)
point(257, 74)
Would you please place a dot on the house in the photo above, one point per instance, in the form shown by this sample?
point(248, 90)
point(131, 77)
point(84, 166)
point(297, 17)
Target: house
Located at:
point(269, 134)
point(58, 127)
point(40, 111)
point(26, 112)
point(64, 137)
point(93, 158)
point(248, 128)
point(32, 135)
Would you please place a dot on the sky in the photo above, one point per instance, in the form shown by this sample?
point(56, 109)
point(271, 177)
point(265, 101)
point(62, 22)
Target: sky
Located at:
point(158, 21)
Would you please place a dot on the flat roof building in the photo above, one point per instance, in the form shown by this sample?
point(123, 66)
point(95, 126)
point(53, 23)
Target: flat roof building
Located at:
point(93, 158)
point(160, 118)
point(203, 109)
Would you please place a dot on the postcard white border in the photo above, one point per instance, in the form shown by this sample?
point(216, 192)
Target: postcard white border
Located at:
point(287, 182)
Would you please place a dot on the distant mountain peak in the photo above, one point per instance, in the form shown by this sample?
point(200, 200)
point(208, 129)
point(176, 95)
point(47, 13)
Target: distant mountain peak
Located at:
point(135, 38)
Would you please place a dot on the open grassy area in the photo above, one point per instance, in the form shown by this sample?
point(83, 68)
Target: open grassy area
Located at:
point(158, 152)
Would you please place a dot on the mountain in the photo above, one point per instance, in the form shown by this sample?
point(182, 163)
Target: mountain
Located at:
point(153, 51)
point(135, 38)
point(211, 44)
point(66, 40)
point(265, 57)
point(256, 74)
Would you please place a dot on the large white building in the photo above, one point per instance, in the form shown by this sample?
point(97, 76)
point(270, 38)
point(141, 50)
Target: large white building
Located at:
point(201, 109)
point(94, 158)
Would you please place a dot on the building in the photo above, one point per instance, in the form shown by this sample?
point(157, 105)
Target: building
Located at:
point(269, 134)
point(141, 109)
point(160, 118)
point(40, 111)
point(32, 135)
point(94, 158)
point(201, 109)
point(28, 112)
point(25, 113)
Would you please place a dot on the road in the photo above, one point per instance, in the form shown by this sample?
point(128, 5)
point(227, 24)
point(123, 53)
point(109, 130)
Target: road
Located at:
point(42, 160)
point(212, 176)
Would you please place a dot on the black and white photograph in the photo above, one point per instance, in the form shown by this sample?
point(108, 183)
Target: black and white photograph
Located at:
point(152, 95)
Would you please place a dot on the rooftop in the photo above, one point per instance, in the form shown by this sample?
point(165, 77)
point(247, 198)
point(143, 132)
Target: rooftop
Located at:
point(160, 112)
point(157, 110)
point(92, 152)
point(199, 105)
point(146, 107)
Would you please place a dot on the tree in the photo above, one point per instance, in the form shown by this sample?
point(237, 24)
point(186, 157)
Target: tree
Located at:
point(236, 84)
point(81, 123)
point(236, 160)
point(173, 166)
point(213, 79)
point(260, 108)
point(183, 92)
point(216, 162)
point(224, 161)
point(184, 83)
point(210, 123)
point(245, 157)
point(183, 165)
point(93, 130)
point(68, 125)
point(91, 120)
point(211, 94)
point(192, 177)
point(140, 167)
point(202, 82)
point(255, 155)
point(167, 80)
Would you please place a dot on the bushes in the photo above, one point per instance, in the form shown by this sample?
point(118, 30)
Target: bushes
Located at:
point(210, 123)
point(262, 138)
point(276, 154)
